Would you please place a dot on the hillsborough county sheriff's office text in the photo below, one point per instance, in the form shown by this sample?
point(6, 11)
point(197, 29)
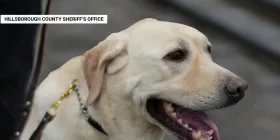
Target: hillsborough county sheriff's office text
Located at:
point(54, 18)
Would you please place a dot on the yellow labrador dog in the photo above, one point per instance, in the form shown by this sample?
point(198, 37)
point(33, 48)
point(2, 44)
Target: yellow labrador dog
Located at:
point(152, 78)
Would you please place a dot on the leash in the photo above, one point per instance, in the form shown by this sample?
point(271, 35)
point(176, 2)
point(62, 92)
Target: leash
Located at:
point(84, 111)
point(51, 113)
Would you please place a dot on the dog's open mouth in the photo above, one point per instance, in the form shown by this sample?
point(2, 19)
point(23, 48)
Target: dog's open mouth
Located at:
point(185, 123)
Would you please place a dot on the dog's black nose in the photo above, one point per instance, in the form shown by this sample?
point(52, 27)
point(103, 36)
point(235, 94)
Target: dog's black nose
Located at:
point(235, 90)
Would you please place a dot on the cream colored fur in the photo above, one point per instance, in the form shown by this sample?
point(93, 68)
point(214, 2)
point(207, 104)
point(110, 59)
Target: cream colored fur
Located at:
point(117, 77)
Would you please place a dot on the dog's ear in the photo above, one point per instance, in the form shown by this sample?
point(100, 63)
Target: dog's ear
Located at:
point(108, 57)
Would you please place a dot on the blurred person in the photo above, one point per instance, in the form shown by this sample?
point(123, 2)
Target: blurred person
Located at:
point(18, 50)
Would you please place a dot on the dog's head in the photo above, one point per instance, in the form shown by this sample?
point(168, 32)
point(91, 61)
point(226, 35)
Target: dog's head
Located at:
point(166, 70)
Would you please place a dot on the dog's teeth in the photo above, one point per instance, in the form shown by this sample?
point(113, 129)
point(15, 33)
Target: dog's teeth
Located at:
point(174, 115)
point(197, 135)
point(169, 107)
point(210, 138)
point(180, 121)
point(210, 132)
point(186, 126)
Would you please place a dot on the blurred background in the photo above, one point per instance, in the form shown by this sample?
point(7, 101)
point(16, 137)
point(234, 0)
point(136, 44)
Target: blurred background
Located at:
point(245, 38)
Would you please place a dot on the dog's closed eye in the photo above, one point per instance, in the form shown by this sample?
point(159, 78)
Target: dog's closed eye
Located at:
point(177, 56)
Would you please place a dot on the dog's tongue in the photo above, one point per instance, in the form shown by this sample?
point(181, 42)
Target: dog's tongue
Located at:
point(201, 126)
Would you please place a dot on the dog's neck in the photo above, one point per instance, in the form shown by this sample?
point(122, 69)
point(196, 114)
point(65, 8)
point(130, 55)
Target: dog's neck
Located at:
point(121, 120)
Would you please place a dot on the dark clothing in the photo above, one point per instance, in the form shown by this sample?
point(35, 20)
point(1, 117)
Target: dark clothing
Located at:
point(17, 51)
